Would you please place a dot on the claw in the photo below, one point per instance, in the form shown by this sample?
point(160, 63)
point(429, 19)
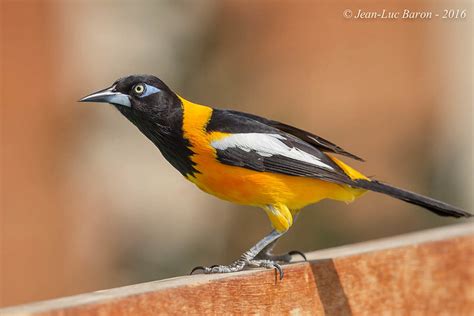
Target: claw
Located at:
point(279, 269)
point(197, 268)
point(296, 252)
point(267, 264)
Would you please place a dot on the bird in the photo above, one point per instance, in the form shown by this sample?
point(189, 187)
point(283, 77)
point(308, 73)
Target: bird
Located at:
point(248, 159)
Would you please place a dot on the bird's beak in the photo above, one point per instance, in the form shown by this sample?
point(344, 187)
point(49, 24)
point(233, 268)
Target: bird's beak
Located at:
point(109, 95)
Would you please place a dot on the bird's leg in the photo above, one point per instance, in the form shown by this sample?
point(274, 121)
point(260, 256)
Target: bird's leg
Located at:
point(282, 219)
point(266, 253)
point(247, 259)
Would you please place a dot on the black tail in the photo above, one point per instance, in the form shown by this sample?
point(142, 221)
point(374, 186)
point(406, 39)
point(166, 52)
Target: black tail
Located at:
point(435, 206)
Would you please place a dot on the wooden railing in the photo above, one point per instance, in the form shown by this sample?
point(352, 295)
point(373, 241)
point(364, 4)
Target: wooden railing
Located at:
point(429, 272)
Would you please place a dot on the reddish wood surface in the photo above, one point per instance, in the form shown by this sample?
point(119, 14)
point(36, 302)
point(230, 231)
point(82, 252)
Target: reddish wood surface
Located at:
point(428, 273)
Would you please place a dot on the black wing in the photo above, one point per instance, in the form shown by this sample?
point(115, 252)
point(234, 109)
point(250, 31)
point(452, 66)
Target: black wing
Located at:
point(312, 139)
point(257, 146)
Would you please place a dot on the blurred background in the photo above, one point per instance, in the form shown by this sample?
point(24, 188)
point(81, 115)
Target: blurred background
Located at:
point(88, 203)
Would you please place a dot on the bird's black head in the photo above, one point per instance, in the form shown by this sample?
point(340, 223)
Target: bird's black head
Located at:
point(156, 111)
point(137, 95)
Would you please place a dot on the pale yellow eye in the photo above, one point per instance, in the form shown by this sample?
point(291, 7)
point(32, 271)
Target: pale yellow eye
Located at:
point(139, 88)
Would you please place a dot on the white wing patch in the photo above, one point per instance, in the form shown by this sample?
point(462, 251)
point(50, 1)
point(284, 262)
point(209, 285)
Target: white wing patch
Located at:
point(266, 145)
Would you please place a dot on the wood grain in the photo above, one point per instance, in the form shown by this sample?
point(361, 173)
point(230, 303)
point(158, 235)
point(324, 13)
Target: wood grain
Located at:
point(426, 273)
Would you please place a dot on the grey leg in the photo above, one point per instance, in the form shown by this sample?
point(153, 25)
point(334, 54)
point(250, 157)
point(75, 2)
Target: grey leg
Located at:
point(247, 259)
point(266, 253)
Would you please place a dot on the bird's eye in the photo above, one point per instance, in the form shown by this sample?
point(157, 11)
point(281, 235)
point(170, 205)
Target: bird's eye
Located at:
point(139, 89)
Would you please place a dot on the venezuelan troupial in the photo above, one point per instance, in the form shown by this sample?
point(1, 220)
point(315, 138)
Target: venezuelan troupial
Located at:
point(247, 159)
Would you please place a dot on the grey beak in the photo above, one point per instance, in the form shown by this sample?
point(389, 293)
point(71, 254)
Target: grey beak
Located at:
point(108, 95)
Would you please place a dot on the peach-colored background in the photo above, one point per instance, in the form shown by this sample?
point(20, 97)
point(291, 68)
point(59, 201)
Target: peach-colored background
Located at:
point(88, 203)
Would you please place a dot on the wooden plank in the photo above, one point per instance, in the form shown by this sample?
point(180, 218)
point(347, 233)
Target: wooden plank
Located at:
point(429, 272)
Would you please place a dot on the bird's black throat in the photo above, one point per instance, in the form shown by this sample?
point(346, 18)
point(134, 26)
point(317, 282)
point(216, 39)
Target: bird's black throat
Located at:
point(165, 131)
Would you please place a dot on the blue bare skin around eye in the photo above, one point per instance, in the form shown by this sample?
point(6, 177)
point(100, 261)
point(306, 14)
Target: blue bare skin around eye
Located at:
point(149, 91)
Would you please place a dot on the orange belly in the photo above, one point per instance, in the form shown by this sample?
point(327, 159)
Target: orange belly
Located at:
point(244, 186)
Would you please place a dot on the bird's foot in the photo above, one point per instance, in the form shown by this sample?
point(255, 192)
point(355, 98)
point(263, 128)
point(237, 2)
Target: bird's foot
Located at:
point(240, 265)
point(285, 258)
